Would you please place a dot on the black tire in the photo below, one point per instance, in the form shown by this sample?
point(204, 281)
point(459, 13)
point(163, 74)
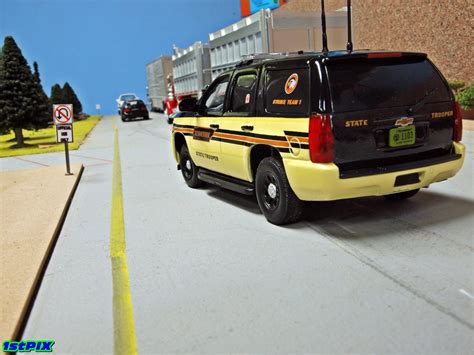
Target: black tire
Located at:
point(189, 169)
point(279, 204)
point(401, 195)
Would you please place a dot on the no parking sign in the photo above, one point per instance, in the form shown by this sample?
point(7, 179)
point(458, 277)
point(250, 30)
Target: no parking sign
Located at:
point(63, 118)
point(62, 114)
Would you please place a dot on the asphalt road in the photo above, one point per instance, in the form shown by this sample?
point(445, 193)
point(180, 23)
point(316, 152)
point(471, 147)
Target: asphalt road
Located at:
point(208, 274)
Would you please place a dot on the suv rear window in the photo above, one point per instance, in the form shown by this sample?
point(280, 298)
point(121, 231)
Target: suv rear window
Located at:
point(135, 103)
point(383, 83)
point(287, 92)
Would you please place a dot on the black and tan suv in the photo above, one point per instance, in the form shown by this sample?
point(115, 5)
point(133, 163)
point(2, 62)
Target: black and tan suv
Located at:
point(322, 126)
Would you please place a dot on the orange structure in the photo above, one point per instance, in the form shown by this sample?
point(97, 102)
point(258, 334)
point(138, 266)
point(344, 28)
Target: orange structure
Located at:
point(248, 7)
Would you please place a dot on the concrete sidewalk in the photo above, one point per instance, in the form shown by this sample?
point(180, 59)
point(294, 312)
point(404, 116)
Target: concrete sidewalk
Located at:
point(33, 206)
point(76, 277)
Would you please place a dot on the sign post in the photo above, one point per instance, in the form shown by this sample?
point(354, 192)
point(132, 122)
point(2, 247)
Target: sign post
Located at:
point(63, 119)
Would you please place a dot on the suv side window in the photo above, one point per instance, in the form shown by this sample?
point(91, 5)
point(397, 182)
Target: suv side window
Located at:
point(214, 99)
point(244, 93)
point(287, 92)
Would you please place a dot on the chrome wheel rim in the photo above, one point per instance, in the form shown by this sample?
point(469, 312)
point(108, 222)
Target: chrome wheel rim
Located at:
point(271, 196)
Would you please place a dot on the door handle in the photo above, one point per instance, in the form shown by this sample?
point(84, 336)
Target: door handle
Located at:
point(247, 128)
point(215, 126)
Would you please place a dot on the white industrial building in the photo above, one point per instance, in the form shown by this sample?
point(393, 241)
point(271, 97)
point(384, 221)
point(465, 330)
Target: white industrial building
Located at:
point(271, 31)
point(191, 69)
point(157, 72)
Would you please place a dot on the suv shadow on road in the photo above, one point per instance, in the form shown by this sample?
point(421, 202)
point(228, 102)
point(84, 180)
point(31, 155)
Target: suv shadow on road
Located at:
point(372, 216)
point(376, 217)
point(236, 199)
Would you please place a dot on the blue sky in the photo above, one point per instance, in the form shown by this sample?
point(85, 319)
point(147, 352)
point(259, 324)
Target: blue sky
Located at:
point(101, 47)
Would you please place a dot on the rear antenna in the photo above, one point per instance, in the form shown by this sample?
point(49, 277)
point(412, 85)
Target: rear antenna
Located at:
point(323, 24)
point(349, 26)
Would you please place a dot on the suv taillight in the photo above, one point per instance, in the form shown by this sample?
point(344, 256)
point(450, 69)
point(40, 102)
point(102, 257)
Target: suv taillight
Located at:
point(321, 139)
point(126, 110)
point(457, 128)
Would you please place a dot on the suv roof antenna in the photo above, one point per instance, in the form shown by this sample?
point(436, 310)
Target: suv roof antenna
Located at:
point(349, 26)
point(323, 24)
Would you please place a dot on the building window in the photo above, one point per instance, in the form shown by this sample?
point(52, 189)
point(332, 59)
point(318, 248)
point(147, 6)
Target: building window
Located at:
point(251, 44)
point(243, 47)
point(258, 43)
point(236, 50)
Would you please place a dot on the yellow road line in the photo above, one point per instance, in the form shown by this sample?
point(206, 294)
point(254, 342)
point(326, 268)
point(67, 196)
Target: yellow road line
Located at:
point(125, 341)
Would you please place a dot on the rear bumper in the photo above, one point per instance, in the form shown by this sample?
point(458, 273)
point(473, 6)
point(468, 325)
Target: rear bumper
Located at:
point(132, 115)
point(322, 182)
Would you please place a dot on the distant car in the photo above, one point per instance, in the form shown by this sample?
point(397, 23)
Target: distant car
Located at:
point(178, 114)
point(125, 97)
point(134, 109)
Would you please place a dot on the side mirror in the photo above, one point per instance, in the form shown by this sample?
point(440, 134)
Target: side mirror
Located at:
point(188, 105)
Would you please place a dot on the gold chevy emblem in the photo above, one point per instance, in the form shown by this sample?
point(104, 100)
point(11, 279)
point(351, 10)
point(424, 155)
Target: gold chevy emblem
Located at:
point(405, 121)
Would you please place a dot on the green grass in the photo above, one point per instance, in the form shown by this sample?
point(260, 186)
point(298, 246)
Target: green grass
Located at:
point(44, 140)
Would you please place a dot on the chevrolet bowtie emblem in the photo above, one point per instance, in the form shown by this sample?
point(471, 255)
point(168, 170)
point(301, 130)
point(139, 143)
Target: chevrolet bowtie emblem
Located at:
point(405, 121)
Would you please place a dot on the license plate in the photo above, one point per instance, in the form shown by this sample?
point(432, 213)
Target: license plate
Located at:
point(401, 136)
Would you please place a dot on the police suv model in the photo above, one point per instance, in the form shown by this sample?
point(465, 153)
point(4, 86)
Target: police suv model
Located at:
point(322, 126)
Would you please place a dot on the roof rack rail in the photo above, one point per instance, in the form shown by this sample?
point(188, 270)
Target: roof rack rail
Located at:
point(254, 58)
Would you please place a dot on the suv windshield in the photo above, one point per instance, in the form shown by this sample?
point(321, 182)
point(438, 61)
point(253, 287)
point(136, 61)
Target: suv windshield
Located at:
point(383, 83)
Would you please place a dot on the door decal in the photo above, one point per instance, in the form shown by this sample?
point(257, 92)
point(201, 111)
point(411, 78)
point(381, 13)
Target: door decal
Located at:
point(202, 134)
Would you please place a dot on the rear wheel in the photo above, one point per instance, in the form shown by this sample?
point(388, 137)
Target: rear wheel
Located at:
point(401, 195)
point(276, 199)
point(188, 168)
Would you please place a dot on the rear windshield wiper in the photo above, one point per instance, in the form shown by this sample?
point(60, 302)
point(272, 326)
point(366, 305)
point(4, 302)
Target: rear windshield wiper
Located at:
point(421, 102)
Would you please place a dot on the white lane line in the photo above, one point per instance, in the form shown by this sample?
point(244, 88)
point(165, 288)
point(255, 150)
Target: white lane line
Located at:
point(465, 293)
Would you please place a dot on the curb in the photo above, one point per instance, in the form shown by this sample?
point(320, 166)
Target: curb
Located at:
point(21, 325)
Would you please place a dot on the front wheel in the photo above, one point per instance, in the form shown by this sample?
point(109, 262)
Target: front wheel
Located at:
point(188, 168)
point(402, 195)
point(276, 199)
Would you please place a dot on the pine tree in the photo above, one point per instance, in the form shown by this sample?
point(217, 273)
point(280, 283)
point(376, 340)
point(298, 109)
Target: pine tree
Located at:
point(70, 97)
point(18, 94)
point(3, 130)
point(57, 95)
point(43, 110)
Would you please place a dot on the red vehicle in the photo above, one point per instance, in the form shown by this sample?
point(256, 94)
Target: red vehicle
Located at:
point(171, 103)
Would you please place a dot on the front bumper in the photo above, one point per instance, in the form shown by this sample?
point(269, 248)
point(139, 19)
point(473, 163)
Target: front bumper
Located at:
point(322, 182)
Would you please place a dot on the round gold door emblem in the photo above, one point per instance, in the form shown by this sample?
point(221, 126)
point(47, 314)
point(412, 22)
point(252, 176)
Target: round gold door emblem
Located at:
point(291, 83)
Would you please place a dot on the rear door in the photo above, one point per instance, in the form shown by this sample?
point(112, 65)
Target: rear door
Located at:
point(206, 151)
point(388, 111)
point(237, 124)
